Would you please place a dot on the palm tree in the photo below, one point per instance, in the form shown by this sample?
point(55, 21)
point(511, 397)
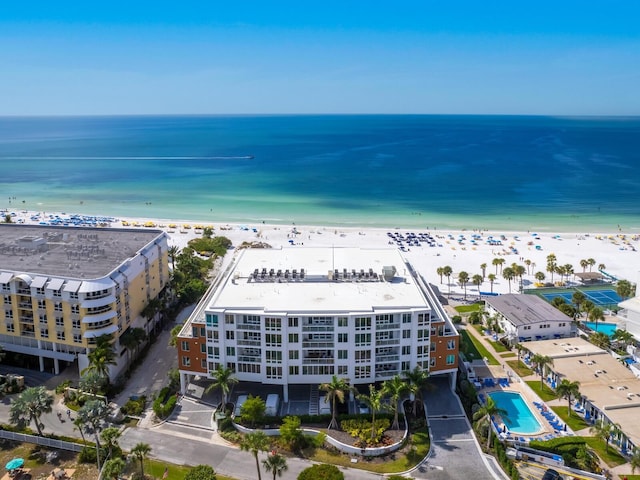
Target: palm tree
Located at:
point(173, 252)
point(29, 406)
point(113, 468)
point(92, 383)
point(601, 340)
point(601, 267)
point(540, 276)
point(591, 262)
point(568, 270)
point(528, 263)
point(79, 425)
point(602, 431)
point(101, 357)
point(335, 391)
point(634, 461)
point(255, 442)
point(492, 278)
point(477, 281)
point(93, 413)
point(584, 264)
point(395, 387)
point(623, 288)
point(498, 262)
point(541, 361)
point(595, 314)
point(417, 379)
point(484, 414)
point(440, 271)
point(519, 347)
point(374, 400)
point(463, 278)
point(569, 390)
point(110, 436)
point(623, 336)
point(223, 380)
point(508, 275)
point(483, 267)
point(519, 271)
point(578, 299)
point(140, 451)
point(551, 265)
point(447, 271)
point(275, 463)
point(131, 339)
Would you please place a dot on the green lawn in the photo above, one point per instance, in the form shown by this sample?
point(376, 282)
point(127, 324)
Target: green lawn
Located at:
point(498, 347)
point(395, 463)
point(508, 355)
point(475, 348)
point(476, 307)
point(574, 421)
point(610, 456)
point(155, 469)
point(520, 368)
point(545, 394)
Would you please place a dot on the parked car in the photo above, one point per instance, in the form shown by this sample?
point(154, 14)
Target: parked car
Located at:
point(551, 474)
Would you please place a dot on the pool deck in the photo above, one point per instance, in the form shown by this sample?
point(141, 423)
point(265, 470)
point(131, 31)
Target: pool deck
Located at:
point(516, 384)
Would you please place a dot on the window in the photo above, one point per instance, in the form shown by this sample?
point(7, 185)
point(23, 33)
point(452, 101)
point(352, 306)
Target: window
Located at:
point(363, 323)
point(75, 308)
point(44, 332)
point(273, 340)
point(422, 351)
point(363, 372)
point(40, 291)
point(343, 337)
point(406, 333)
point(294, 370)
point(423, 319)
point(294, 354)
point(203, 331)
point(406, 366)
point(11, 327)
point(272, 323)
point(229, 319)
point(406, 318)
point(293, 338)
point(57, 293)
point(249, 368)
point(186, 361)
point(363, 356)
point(433, 331)
point(72, 295)
point(203, 363)
point(423, 334)
point(451, 359)
point(75, 323)
point(343, 369)
point(212, 320)
point(8, 314)
point(451, 344)
point(432, 347)
point(274, 372)
point(343, 354)
point(57, 306)
point(59, 322)
point(432, 362)
point(231, 351)
point(216, 336)
point(184, 346)
point(343, 321)
point(274, 356)
point(293, 322)
point(363, 339)
point(203, 348)
point(42, 304)
point(60, 335)
point(77, 338)
point(406, 350)
point(230, 335)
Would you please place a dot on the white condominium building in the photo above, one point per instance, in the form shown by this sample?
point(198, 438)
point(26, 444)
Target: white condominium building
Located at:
point(300, 315)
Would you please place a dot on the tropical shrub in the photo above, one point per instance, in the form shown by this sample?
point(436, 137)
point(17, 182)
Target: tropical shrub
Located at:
point(321, 472)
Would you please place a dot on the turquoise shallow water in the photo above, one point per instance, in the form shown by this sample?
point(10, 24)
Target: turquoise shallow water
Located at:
point(518, 173)
point(519, 418)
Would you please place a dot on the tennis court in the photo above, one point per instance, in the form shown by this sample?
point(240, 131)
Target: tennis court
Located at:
point(602, 297)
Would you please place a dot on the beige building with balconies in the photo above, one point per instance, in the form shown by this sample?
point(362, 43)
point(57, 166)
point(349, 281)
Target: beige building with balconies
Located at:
point(62, 287)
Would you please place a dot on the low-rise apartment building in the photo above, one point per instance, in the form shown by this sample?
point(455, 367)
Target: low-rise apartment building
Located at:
point(62, 287)
point(300, 315)
point(524, 318)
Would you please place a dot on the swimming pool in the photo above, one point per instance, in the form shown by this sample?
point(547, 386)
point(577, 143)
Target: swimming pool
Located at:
point(520, 418)
point(608, 328)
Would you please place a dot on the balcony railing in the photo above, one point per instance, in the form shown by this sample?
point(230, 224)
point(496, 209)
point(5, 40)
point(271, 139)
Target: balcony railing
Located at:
point(317, 344)
point(246, 326)
point(390, 341)
point(387, 358)
point(249, 343)
point(316, 328)
point(388, 326)
point(316, 361)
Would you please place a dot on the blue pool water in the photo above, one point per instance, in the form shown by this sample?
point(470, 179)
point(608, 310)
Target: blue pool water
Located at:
point(520, 418)
point(607, 328)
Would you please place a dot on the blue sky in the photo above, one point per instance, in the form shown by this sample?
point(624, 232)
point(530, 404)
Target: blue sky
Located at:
point(560, 57)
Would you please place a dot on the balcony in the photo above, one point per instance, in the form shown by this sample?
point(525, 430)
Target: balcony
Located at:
point(245, 359)
point(317, 344)
point(389, 341)
point(316, 361)
point(388, 326)
point(248, 326)
point(248, 343)
point(317, 328)
point(387, 358)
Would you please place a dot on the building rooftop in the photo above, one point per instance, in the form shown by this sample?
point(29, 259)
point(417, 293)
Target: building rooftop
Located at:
point(604, 381)
point(71, 252)
point(526, 309)
point(319, 279)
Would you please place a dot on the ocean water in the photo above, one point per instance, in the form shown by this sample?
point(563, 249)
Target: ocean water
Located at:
point(431, 171)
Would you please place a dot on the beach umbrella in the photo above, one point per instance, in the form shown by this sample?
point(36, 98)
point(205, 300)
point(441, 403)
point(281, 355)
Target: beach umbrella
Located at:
point(15, 463)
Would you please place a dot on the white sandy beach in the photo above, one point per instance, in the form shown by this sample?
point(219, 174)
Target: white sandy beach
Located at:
point(618, 251)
